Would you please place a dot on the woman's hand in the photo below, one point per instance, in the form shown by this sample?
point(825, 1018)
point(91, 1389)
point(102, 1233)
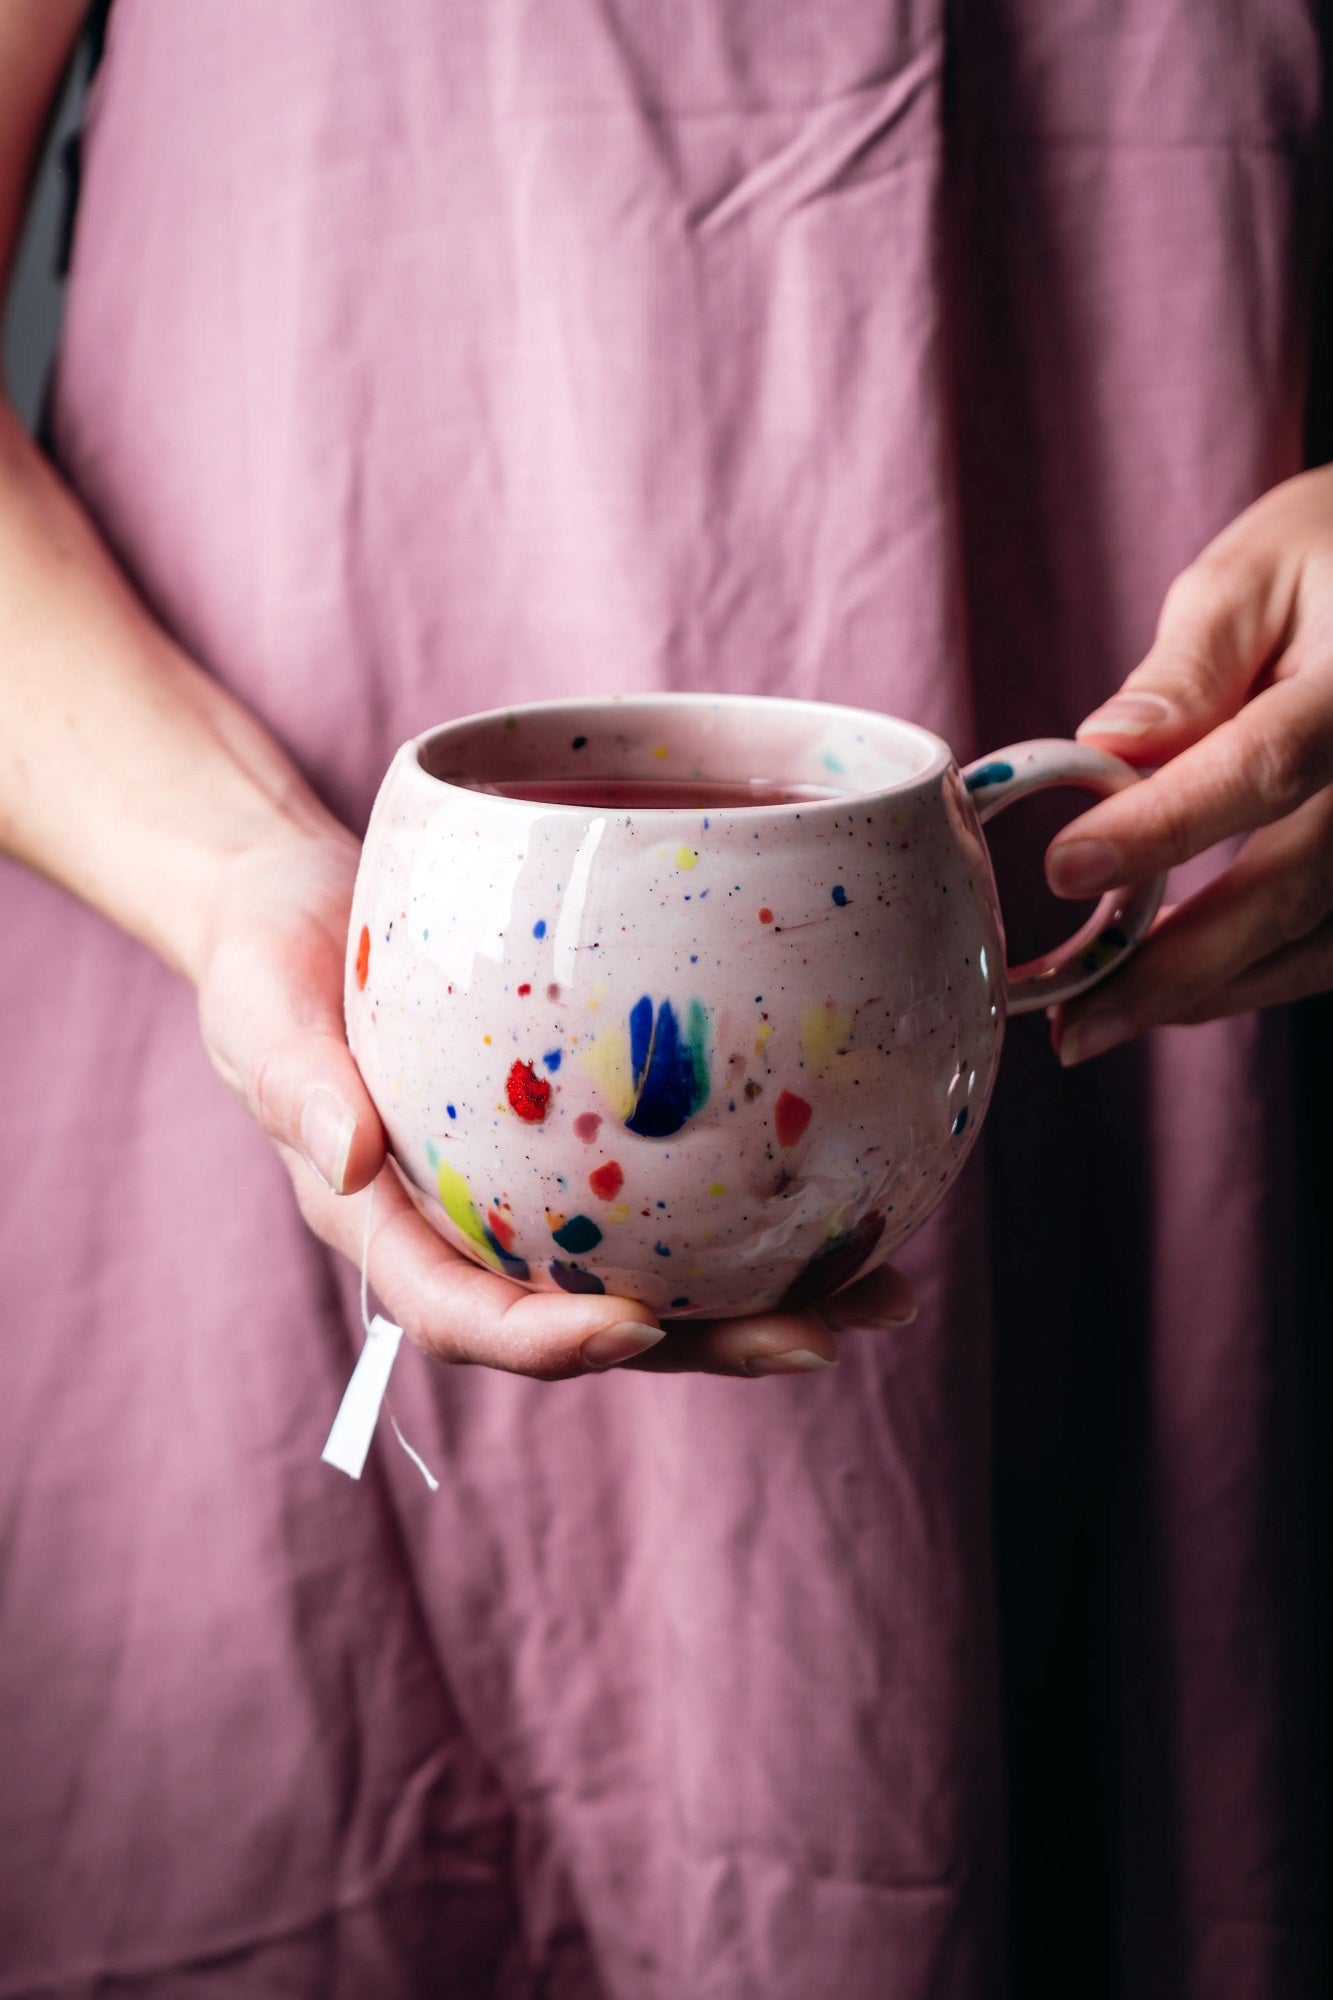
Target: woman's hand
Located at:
point(1234, 703)
point(270, 984)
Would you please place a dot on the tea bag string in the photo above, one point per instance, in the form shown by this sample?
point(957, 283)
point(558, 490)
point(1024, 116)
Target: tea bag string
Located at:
point(367, 1392)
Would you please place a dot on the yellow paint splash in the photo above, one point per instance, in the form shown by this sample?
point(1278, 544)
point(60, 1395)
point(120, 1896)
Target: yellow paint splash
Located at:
point(762, 1037)
point(619, 1211)
point(824, 1032)
point(717, 1187)
point(607, 1060)
point(461, 1211)
point(659, 749)
point(686, 857)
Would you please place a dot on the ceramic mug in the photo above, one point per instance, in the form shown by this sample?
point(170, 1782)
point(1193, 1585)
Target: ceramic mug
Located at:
point(694, 999)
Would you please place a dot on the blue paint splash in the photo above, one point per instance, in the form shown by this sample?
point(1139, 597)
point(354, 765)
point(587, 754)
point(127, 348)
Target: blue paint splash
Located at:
point(580, 1233)
point(573, 1278)
point(450, 1109)
point(989, 774)
point(662, 1249)
point(512, 1266)
point(670, 1067)
point(539, 928)
point(840, 895)
point(553, 1059)
point(960, 1122)
point(682, 1301)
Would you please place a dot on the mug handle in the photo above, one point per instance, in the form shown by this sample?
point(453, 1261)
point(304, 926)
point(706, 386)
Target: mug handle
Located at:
point(1122, 916)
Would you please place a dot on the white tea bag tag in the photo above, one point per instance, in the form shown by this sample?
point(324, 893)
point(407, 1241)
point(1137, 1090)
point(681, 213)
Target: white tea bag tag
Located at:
point(358, 1412)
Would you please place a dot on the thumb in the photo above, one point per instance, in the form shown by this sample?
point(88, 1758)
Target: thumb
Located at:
point(271, 1011)
point(1222, 621)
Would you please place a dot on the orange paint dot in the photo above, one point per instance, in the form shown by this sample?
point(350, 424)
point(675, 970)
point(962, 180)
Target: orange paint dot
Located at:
point(765, 915)
point(363, 960)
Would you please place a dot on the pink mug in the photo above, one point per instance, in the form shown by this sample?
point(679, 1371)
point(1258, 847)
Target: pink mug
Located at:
point(695, 999)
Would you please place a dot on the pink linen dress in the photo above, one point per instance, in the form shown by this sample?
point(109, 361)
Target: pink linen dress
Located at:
point(428, 354)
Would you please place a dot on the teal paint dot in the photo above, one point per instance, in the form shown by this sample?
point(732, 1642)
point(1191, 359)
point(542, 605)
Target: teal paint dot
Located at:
point(580, 1233)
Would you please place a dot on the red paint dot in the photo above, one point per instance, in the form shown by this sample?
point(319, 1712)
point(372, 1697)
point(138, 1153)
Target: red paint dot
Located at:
point(766, 915)
point(606, 1181)
point(524, 991)
point(501, 1228)
point(528, 1093)
point(362, 960)
point(586, 1126)
point(791, 1115)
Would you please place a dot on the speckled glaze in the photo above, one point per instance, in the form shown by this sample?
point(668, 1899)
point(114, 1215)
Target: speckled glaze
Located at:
point(719, 1059)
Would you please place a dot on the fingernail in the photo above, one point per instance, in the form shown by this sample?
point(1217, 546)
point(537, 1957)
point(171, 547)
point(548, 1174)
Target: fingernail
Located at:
point(620, 1343)
point(327, 1131)
point(838, 1322)
point(1127, 715)
point(1083, 867)
point(796, 1361)
point(1099, 1030)
point(904, 1317)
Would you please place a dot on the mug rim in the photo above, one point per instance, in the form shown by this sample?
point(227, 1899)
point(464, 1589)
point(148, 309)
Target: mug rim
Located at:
point(937, 756)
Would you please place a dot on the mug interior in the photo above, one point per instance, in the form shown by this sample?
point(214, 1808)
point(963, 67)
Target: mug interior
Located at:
point(810, 747)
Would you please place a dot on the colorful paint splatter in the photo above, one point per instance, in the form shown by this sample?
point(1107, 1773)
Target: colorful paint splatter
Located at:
point(529, 1094)
point(607, 1180)
point(456, 1199)
point(791, 1115)
point(573, 1278)
point(578, 1235)
point(989, 774)
point(669, 1066)
point(363, 960)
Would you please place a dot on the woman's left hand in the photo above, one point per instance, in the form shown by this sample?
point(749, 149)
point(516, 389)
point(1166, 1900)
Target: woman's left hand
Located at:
point(1234, 703)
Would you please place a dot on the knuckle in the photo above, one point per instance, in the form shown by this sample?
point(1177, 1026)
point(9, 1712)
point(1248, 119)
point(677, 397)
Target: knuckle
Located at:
point(1301, 899)
point(1198, 627)
point(1188, 597)
point(1282, 767)
point(1171, 824)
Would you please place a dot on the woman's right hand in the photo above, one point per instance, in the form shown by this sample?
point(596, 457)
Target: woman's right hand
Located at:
point(270, 979)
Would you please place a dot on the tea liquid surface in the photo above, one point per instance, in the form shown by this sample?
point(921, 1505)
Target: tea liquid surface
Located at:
point(653, 794)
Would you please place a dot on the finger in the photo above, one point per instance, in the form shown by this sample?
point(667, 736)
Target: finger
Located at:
point(768, 1344)
point(1248, 772)
point(455, 1310)
point(271, 1013)
point(1278, 890)
point(783, 1343)
point(1294, 973)
point(1222, 621)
